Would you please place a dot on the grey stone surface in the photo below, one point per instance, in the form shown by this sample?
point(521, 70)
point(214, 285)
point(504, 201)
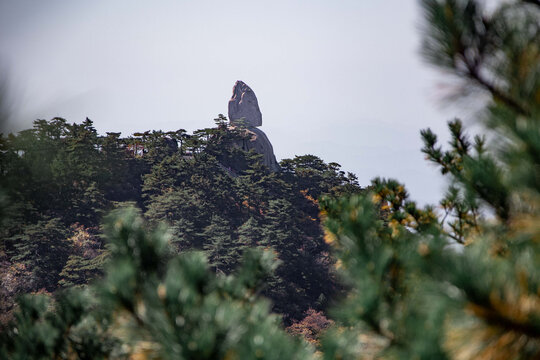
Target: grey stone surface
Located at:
point(244, 113)
point(244, 107)
point(258, 141)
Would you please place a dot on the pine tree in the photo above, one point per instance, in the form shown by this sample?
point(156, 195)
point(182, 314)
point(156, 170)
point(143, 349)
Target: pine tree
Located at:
point(42, 248)
point(86, 259)
point(186, 211)
point(423, 298)
point(222, 250)
point(76, 175)
point(250, 233)
point(303, 276)
point(119, 178)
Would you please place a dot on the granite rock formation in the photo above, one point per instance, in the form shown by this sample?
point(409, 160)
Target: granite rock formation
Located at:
point(258, 141)
point(244, 113)
point(244, 107)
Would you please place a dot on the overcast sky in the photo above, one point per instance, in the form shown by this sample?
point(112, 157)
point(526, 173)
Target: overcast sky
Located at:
point(342, 80)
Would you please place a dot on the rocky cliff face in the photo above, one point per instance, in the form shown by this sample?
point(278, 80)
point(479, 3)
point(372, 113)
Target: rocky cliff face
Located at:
point(244, 113)
point(259, 142)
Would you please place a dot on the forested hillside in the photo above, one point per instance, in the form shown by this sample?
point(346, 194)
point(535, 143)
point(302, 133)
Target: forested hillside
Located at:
point(63, 177)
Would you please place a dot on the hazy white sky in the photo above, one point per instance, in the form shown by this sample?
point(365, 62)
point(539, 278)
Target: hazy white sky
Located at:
point(338, 79)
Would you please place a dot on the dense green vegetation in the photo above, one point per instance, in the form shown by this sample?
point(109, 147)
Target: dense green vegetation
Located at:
point(458, 282)
point(215, 197)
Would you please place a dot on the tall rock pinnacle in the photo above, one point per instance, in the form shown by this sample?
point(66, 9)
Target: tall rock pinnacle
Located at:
point(245, 114)
point(244, 105)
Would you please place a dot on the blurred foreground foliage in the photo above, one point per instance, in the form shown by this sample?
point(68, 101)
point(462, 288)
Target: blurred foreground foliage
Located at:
point(465, 284)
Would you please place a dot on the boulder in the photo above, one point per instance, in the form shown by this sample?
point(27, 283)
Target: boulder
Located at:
point(244, 113)
point(258, 141)
point(244, 107)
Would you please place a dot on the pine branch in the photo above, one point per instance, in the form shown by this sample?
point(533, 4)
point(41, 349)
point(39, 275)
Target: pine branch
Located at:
point(458, 239)
point(474, 74)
